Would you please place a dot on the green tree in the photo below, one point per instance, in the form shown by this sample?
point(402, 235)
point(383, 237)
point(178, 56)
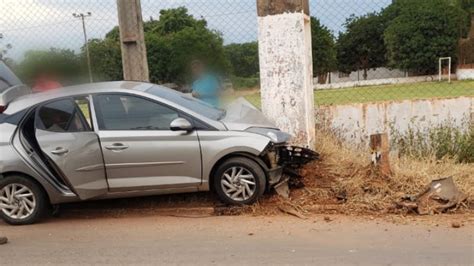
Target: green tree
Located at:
point(243, 58)
point(174, 20)
point(323, 48)
point(65, 64)
point(362, 46)
point(423, 31)
point(172, 42)
point(106, 60)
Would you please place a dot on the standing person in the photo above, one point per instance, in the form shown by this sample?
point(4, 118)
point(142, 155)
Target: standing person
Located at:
point(45, 82)
point(206, 86)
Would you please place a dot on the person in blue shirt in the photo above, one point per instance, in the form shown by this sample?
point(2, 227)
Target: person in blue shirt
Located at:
point(205, 86)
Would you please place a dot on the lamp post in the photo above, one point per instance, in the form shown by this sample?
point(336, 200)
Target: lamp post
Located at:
point(82, 17)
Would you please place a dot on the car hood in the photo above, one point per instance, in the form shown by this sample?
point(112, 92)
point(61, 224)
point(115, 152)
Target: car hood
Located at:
point(242, 115)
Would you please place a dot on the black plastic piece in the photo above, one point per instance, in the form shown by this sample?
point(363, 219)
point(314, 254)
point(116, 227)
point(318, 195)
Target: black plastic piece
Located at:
point(295, 156)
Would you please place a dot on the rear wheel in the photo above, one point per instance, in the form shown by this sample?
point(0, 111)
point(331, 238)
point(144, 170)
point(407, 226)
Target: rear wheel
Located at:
point(22, 201)
point(239, 180)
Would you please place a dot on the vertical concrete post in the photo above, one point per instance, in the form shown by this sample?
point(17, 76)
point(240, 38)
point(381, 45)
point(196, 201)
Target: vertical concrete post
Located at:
point(134, 61)
point(286, 71)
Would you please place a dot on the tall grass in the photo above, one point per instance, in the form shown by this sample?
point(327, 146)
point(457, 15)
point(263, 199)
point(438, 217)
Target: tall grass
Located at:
point(444, 141)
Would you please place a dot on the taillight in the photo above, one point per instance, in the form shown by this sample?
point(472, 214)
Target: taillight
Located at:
point(2, 109)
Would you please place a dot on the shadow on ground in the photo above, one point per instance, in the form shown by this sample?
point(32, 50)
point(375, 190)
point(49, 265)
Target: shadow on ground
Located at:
point(201, 202)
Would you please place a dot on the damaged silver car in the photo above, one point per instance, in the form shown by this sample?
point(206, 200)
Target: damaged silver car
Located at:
point(127, 139)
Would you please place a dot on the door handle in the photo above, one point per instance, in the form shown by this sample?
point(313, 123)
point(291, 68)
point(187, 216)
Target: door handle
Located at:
point(59, 151)
point(116, 147)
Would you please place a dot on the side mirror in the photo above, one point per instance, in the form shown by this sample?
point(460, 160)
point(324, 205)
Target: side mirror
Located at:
point(181, 124)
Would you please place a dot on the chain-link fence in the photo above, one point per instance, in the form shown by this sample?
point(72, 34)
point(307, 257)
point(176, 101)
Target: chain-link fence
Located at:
point(363, 50)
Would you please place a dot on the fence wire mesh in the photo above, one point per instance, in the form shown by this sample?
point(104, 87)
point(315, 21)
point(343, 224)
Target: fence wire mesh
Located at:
point(363, 50)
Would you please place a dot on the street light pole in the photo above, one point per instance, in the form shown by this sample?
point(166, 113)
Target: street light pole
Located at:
point(82, 17)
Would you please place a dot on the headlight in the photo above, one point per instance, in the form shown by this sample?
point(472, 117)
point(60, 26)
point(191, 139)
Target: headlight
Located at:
point(274, 135)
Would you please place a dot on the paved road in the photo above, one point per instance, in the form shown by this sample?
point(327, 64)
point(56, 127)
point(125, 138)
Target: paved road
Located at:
point(242, 240)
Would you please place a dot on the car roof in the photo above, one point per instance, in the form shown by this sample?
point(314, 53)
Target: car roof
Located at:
point(26, 101)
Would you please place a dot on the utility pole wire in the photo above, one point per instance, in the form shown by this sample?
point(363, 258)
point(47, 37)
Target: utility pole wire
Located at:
point(82, 17)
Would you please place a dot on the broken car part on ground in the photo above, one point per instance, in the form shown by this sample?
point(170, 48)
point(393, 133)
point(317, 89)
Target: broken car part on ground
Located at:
point(439, 196)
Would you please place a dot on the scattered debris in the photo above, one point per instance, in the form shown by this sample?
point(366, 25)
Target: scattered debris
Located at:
point(341, 196)
point(292, 211)
point(229, 210)
point(250, 234)
point(439, 196)
point(455, 224)
point(3, 240)
point(292, 158)
point(283, 189)
point(327, 219)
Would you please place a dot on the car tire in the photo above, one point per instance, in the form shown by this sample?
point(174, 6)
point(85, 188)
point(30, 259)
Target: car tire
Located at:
point(31, 199)
point(239, 181)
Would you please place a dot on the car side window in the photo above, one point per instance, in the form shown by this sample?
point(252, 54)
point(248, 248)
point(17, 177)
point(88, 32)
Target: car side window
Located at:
point(126, 112)
point(84, 106)
point(60, 116)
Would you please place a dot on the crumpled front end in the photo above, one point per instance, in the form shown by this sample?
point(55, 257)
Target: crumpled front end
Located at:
point(281, 159)
point(284, 162)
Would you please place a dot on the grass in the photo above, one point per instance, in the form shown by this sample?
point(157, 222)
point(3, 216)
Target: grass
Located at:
point(347, 167)
point(396, 92)
point(443, 141)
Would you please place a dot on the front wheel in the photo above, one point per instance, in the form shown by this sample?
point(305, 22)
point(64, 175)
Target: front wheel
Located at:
point(22, 201)
point(239, 180)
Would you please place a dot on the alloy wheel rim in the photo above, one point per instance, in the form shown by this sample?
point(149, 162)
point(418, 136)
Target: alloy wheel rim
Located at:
point(238, 183)
point(17, 201)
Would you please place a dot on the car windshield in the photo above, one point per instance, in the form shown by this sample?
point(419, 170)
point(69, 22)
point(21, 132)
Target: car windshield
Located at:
point(188, 102)
point(7, 78)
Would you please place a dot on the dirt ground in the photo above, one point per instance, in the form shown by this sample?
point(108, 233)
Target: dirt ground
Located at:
point(346, 216)
point(145, 231)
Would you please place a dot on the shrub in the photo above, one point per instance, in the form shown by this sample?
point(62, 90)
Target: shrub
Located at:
point(240, 83)
point(441, 141)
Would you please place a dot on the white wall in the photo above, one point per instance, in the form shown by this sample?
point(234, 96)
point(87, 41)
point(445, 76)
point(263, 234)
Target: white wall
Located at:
point(386, 81)
point(356, 122)
point(465, 74)
point(377, 73)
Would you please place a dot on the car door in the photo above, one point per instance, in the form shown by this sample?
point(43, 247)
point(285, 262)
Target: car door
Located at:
point(140, 151)
point(65, 137)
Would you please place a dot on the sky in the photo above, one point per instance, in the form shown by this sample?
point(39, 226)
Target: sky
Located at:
point(40, 24)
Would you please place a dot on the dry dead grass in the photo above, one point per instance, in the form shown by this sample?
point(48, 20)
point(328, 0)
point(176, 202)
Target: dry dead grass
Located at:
point(342, 181)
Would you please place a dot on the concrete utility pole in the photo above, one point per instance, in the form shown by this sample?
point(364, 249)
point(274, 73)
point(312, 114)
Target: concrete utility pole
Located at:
point(134, 61)
point(82, 17)
point(286, 71)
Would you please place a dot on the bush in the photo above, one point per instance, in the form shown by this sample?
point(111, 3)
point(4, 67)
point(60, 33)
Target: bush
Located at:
point(440, 142)
point(240, 83)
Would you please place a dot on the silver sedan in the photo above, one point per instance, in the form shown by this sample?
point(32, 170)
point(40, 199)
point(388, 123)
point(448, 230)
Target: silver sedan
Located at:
point(126, 139)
